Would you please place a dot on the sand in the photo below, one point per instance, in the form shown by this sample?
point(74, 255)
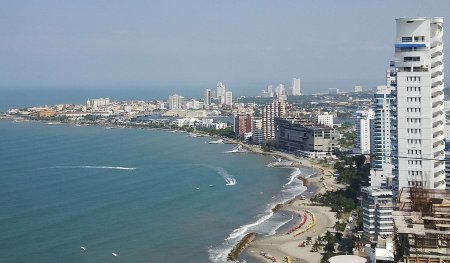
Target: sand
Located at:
point(283, 244)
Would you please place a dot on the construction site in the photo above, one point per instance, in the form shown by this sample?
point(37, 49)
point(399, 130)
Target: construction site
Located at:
point(422, 226)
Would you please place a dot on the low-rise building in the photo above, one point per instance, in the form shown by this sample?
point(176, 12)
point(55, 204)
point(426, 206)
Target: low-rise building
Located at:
point(293, 135)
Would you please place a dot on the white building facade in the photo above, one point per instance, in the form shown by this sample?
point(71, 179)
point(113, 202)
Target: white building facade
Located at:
point(326, 119)
point(420, 103)
point(296, 91)
point(363, 136)
point(377, 213)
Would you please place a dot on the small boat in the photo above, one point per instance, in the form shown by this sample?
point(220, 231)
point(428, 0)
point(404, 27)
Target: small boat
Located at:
point(198, 188)
point(83, 248)
point(211, 185)
point(114, 254)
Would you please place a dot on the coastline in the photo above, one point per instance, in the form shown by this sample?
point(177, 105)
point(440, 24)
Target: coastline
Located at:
point(282, 245)
point(278, 245)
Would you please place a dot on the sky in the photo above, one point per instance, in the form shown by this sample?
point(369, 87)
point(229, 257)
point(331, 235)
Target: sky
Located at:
point(201, 42)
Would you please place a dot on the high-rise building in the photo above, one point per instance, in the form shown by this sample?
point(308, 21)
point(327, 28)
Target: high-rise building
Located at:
point(364, 118)
point(243, 123)
point(296, 87)
point(221, 89)
point(175, 102)
point(207, 97)
point(229, 98)
point(258, 136)
point(280, 90)
point(382, 131)
point(419, 103)
point(269, 113)
point(333, 91)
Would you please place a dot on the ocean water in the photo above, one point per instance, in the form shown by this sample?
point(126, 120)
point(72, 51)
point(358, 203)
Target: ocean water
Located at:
point(132, 192)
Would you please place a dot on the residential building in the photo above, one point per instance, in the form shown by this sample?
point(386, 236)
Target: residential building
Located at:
point(363, 138)
point(295, 135)
point(377, 208)
point(243, 123)
point(382, 132)
point(208, 97)
point(296, 91)
point(229, 98)
point(175, 102)
point(325, 119)
point(419, 103)
point(221, 89)
point(269, 113)
point(258, 136)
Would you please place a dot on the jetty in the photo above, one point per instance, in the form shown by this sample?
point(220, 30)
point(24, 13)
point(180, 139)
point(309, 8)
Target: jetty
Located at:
point(243, 244)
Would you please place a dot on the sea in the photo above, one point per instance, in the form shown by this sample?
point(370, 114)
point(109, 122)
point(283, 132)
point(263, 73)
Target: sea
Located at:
point(145, 195)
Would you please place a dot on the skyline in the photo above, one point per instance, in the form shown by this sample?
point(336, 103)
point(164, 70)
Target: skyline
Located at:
point(109, 43)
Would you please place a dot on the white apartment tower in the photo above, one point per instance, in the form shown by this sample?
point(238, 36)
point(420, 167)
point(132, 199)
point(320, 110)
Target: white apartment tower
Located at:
point(363, 141)
point(175, 102)
point(420, 103)
point(296, 87)
point(229, 98)
point(221, 90)
point(269, 113)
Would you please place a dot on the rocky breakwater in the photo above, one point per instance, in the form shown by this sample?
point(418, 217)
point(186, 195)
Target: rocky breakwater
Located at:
point(243, 244)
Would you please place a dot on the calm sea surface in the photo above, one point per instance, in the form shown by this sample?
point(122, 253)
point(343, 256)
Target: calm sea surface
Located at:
point(132, 192)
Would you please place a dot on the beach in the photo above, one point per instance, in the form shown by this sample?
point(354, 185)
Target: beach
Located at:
point(309, 219)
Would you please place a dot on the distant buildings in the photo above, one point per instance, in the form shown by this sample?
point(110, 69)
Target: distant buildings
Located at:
point(176, 102)
point(333, 91)
point(208, 97)
point(358, 88)
point(228, 99)
point(296, 87)
point(293, 135)
point(94, 103)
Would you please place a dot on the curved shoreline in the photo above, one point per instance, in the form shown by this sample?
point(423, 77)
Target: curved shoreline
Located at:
point(312, 184)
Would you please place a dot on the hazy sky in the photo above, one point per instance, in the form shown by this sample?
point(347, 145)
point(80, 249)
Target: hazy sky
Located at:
point(113, 42)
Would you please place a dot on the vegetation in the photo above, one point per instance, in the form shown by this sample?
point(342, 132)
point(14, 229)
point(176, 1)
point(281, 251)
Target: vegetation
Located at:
point(355, 173)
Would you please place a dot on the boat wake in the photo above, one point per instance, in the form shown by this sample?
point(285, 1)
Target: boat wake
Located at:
point(93, 167)
point(229, 179)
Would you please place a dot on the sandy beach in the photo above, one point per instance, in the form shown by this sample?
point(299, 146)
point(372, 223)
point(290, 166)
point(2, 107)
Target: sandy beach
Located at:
point(314, 220)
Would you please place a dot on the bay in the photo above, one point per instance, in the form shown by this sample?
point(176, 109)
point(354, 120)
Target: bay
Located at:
point(129, 191)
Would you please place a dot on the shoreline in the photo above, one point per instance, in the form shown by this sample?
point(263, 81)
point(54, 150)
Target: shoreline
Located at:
point(283, 245)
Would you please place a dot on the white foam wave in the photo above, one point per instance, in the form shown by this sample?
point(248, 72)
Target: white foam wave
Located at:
point(274, 231)
point(239, 232)
point(237, 149)
point(93, 167)
point(296, 172)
